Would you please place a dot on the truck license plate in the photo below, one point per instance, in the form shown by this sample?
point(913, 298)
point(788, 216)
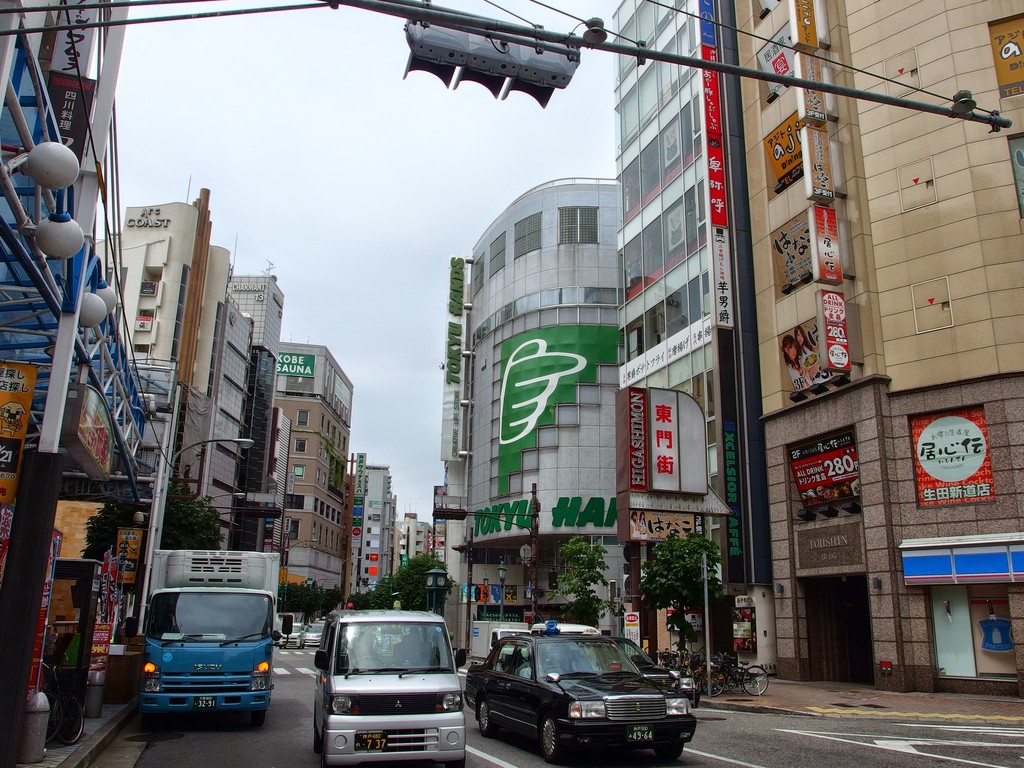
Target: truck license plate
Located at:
point(204, 702)
point(371, 741)
point(639, 733)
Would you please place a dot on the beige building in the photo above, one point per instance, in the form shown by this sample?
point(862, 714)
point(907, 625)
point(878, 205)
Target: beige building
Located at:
point(888, 247)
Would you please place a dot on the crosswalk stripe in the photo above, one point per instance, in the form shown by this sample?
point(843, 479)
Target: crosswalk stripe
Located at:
point(305, 671)
point(281, 671)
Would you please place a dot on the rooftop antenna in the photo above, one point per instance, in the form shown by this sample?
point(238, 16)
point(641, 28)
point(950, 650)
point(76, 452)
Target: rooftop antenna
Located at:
point(270, 267)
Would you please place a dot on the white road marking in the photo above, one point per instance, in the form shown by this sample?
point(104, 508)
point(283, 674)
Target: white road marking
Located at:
point(719, 758)
point(282, 671)
point(906, 746)
point(305, 671)
point(490, 758)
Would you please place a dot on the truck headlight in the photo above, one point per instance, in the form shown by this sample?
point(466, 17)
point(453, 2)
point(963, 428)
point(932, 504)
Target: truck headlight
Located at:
point(677, 706)
point(261, 676)
point(340, 705)
point(586, 709)
point(450, 702)
point(150, 677)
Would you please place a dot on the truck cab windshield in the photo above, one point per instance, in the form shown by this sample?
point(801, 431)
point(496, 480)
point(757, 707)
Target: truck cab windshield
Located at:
point(209, 616)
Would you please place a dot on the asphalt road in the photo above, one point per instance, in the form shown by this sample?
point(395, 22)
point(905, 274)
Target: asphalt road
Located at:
point(723, 739)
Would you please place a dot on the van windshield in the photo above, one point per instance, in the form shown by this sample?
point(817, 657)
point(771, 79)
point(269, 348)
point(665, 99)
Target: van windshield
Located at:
point(368, 647)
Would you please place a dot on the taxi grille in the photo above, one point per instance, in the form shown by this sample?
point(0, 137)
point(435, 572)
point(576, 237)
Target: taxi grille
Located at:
point(635, 708)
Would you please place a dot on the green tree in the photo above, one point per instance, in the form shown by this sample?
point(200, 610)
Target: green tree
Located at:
point(188, 524)
point(331, 599)
point(674, 578)
point(361, 601)
point(383, 596)
point(585, 570)
point(411, 581)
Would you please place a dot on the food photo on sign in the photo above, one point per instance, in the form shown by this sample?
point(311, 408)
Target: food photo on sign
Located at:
point(800, 356)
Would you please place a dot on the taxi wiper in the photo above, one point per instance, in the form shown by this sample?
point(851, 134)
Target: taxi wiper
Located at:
point(250, 636)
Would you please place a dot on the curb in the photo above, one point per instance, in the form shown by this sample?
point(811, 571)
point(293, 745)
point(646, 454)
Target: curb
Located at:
point(90, 749)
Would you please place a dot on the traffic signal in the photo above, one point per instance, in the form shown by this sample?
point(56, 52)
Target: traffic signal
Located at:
point(552, 579)
point(449, 513)
point(500, 67)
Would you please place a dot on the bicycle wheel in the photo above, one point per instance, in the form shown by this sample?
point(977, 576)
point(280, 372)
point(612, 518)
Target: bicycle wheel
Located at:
point(755, 680)
point(55, 717)
point(718, 681)
point(72, 726)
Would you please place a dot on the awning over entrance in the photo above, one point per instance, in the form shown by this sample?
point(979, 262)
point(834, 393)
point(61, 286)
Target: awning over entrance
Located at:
point(964, 559)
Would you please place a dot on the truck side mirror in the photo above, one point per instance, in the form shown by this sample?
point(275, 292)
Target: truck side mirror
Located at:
point(320, 659)
point(131, 626)
point(286, 624)
point(460, 657)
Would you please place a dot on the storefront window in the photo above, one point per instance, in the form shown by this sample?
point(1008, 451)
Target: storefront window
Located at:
point(972, 631)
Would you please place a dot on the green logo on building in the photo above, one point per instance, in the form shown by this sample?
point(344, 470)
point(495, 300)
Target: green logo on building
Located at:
point(541, 370)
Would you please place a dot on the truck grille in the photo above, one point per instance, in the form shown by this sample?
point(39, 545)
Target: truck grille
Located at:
point(404, 704)
point(635, 708)
point(206, 682)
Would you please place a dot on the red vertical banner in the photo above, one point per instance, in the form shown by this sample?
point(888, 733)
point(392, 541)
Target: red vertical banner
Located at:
point(714, 141)
point(37, 648)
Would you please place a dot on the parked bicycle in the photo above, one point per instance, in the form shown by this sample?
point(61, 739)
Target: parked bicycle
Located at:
point(728, 675)
point(67, 720)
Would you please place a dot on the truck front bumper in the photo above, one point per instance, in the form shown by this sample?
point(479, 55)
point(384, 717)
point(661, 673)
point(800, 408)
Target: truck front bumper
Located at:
point(212, 702)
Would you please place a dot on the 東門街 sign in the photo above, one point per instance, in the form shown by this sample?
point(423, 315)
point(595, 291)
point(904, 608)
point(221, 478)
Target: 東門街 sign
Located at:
point(291, 364)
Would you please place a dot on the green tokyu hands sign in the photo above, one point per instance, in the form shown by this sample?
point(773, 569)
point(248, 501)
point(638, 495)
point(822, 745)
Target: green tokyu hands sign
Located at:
point(569, 512)
point(540, 370)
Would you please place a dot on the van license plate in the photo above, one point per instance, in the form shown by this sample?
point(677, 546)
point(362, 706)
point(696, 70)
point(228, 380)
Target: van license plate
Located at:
point(371, 741)
point(639, 733)
point(204, 702)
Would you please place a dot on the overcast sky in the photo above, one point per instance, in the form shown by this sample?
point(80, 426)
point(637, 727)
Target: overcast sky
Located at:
point(356, 185)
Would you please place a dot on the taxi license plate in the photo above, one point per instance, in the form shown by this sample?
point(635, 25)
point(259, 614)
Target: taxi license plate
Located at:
point(204, 702)
point(371, 741)
point(639, 733)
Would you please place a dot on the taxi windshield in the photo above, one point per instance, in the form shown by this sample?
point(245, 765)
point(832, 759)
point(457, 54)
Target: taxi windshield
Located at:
point(564, 657)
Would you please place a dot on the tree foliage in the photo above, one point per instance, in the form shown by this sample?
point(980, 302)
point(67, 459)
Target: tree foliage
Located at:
point(411, 581)
point(308, 600)
point(585, 570)
point(188, 524)
point(674, 577)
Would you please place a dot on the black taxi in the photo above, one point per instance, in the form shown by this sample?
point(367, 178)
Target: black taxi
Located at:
point(574, 692)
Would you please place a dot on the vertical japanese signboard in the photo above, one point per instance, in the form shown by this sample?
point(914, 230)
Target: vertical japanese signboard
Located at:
point(17, 383)
point(129, 541)
point(825, 258)
point(835, 343)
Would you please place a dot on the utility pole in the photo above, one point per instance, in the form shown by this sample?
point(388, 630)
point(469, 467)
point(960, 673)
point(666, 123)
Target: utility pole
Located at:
point(534, 551)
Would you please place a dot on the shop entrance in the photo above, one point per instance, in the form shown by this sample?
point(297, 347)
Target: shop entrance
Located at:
point(839, 629)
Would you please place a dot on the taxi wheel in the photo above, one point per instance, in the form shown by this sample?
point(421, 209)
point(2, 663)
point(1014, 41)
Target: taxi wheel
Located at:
point(483, 719)
point(668, 751)
point(550, 743)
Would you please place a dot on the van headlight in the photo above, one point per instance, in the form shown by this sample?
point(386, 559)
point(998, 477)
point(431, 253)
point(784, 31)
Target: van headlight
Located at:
point(340, 705)
point(261, 676)
point(677, 706)
point(450, 702)
point(586, 709)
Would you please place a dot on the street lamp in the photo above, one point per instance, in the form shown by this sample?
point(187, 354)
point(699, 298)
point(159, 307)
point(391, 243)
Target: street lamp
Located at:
point(502, 573)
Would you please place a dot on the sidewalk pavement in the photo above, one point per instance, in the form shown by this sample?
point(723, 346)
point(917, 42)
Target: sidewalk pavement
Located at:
point(781, 697)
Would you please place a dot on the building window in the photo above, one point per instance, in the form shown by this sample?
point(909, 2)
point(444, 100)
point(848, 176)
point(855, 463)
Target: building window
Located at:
point(294, 501)
point(302, 418)
point(498, 253)
point(527, 235)
point(477, 274)
point(577, 225)
point(1017, 155)
point(300, 445)
point(299, 470)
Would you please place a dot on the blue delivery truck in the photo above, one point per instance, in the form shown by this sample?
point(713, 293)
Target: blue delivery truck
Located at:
point(209, 634)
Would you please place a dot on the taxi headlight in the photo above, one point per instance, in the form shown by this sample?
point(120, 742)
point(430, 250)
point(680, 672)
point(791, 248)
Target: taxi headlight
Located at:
point(340, 705)
point(586, 709)
point(677, 706)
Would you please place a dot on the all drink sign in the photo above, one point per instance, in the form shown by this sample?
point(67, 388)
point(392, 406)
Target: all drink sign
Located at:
point(832, 321)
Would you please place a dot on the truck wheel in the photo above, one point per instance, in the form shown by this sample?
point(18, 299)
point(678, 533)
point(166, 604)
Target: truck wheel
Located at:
point(257, 717)
point(148, 722)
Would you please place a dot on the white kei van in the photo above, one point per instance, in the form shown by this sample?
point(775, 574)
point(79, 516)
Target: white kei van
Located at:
point(387, 690)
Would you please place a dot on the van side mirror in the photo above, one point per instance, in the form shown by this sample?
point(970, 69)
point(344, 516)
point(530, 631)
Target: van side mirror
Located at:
point(286, 624)
point(320, 659)
point(131, 626)
point(460, 657)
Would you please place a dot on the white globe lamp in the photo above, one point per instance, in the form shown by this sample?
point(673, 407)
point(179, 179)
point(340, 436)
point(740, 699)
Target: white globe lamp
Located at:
point(109, 296)
point(52, 165)
point(92, 311)
point(59, 236)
